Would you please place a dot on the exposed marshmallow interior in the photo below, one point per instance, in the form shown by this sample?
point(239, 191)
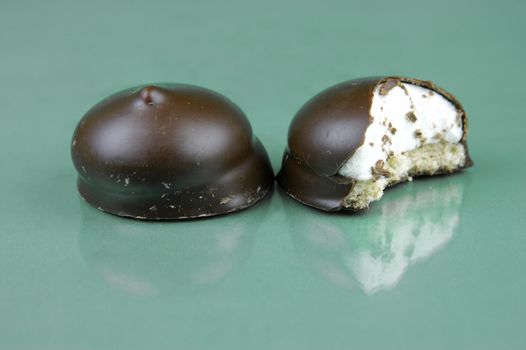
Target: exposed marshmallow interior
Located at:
point(414, 131)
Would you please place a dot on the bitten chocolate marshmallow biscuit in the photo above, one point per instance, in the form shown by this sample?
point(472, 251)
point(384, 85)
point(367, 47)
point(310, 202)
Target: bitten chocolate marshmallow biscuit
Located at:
point(353, 140)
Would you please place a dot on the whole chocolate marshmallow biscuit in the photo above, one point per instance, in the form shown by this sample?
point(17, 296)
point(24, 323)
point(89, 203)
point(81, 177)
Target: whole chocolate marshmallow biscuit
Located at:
point(169, 151)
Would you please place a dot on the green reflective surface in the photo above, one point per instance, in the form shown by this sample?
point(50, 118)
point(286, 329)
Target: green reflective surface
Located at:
point(438, 263)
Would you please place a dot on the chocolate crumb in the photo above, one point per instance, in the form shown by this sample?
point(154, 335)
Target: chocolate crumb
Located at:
point(388, 85)
point(458, 120)
point(371, 144)
point(438, 136)
point(386, 139)
point(393, 130)
point(419, 135)
point(378, 169)
point(411, 116)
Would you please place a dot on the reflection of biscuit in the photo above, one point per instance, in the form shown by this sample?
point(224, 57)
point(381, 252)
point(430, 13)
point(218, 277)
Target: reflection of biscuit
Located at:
point(375, 251)
point(142, 259)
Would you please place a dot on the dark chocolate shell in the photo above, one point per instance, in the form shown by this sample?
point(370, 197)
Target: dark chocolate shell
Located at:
point(169, 151)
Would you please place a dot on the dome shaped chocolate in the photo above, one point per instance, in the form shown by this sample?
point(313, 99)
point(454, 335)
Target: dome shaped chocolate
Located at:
point(169, 151)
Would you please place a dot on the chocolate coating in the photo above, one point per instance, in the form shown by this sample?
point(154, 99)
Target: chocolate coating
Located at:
point(325, 133)
point(169, 151)
point(331, 126)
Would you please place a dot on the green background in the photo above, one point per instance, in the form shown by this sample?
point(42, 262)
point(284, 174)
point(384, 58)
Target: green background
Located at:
point(436, 264)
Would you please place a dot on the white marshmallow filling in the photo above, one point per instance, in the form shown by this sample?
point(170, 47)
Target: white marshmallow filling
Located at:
point(414, 131)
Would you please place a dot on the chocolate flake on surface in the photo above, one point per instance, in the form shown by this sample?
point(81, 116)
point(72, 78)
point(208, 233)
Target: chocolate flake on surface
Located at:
point(388, 85)
point(411, 116)
point(379, 169)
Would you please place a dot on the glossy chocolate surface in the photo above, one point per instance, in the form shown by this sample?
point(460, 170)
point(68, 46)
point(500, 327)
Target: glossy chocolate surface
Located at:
point(169, 151)
point(331, 126)
point(326, 132)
